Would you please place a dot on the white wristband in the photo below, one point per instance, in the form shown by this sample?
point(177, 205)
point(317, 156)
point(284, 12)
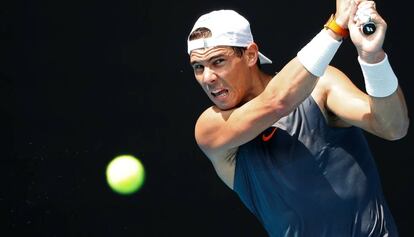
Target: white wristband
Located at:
point(380, 80)
point(318, 53)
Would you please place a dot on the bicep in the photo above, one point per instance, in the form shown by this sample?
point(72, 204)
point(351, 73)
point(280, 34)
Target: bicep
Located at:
point(225, 130)
point(218, 131)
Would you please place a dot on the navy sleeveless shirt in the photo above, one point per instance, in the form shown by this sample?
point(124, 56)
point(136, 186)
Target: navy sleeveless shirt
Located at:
point(312, 180)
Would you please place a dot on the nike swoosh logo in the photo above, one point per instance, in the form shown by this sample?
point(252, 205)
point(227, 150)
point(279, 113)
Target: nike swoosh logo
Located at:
point(266, 138)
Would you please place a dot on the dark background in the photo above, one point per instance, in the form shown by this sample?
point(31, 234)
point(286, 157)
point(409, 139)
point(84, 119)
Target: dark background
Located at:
point(84, 81)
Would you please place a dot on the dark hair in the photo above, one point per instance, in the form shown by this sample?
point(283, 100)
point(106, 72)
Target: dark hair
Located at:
point(204, 32)
point(199, 33)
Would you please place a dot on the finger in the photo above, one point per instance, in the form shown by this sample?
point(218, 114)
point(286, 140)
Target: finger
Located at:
point(366, 4)
point(354, 8)
point(357, 2)
point(363, 15)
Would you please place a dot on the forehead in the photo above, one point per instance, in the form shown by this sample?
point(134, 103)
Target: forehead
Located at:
point(207, 53)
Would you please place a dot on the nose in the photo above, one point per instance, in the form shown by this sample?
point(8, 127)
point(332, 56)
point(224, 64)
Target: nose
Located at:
point(209, 76)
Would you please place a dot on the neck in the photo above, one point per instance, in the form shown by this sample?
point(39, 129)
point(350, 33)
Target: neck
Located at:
point(259, 81)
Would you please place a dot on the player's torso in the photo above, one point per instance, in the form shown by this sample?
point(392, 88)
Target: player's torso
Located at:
point(225, 164)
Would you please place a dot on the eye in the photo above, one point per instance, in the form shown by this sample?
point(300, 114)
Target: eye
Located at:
point(218, 61)
point(198, 67)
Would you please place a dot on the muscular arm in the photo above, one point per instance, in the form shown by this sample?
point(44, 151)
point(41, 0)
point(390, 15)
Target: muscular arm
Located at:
point(219, 131)
point(385, 117)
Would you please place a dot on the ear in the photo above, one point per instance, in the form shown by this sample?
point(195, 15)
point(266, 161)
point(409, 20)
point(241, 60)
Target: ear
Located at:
point(252, 54)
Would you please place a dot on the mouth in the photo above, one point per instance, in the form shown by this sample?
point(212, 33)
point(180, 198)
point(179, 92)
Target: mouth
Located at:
point(220, 93)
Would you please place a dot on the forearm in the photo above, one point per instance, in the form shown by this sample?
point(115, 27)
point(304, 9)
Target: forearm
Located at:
point(387, 103)
point(297, 79)
point(290, 86)
point(389, 116)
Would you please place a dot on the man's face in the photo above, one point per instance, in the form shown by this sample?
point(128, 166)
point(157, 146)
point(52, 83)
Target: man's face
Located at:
point(222, 74)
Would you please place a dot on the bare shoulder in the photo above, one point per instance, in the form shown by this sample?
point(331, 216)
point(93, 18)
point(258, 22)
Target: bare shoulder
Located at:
point(331, 78)
point(333, 82)
point(208, 131)
point(324, 86)
point(208, 122)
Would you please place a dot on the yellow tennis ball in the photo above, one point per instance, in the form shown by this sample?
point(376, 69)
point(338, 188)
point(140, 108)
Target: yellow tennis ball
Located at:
point(125, 174)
